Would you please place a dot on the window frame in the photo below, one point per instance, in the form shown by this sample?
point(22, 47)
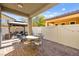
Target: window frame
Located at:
point(56, 24)
point(64, 23)
point(72, 21)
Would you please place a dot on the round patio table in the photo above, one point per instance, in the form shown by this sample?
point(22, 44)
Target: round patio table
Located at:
point(32, 39)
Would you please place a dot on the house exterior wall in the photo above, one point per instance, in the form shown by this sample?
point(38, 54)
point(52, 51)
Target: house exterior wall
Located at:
point(0, 28)
point(4, 25)
point(64, 19)
point(5, 28)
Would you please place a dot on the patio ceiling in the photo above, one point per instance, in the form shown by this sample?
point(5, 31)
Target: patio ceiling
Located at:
point(27, 9)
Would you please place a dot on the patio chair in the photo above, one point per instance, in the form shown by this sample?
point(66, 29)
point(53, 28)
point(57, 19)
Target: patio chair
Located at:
point(23, 33)
point(22, 36)
point(39, 41)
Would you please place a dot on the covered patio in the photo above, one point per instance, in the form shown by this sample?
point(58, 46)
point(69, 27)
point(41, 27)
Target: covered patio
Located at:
point(17, 48)
point(28, 10)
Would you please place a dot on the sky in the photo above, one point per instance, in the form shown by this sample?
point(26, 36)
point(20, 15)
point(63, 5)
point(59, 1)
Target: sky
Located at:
point(61, 9)
point(54, 11)
point(17, 17)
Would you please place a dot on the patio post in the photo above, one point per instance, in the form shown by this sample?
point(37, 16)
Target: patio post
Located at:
point(46, 24)
point(30, 26)
point(0, 28)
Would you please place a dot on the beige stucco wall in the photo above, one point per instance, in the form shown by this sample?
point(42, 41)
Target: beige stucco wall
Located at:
point(65, 19)
point(4, 25)
point(6, 18)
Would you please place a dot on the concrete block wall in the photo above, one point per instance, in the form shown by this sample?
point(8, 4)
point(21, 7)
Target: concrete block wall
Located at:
point(64, 34)
point(67, 35)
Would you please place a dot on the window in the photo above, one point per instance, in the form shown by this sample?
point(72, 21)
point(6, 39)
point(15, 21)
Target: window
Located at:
point(63, 24)
point(56, 24)
point(52, 22)
point(73, 22)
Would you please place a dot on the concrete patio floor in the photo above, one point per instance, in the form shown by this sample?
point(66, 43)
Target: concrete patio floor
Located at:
point(55, 49)
point(48, 48)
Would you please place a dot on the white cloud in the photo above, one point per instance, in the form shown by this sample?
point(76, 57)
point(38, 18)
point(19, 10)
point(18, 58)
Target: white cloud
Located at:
point(45, 15)
point(63, 9)
point(49, 16)
point(55, 13)
point(48, 12)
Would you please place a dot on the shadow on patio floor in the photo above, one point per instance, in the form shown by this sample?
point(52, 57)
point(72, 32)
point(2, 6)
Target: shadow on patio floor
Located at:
point(48, 48)
point(21, 49)
point(55, 49)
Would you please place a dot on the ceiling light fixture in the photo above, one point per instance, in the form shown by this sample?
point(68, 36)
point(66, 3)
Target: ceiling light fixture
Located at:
point(20, 5)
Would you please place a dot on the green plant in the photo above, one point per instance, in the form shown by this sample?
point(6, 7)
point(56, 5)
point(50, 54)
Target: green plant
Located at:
point(39, 22)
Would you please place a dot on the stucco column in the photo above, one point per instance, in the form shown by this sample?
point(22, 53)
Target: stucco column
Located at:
point(0, 28)
point(30, 26)
point(47, 24)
